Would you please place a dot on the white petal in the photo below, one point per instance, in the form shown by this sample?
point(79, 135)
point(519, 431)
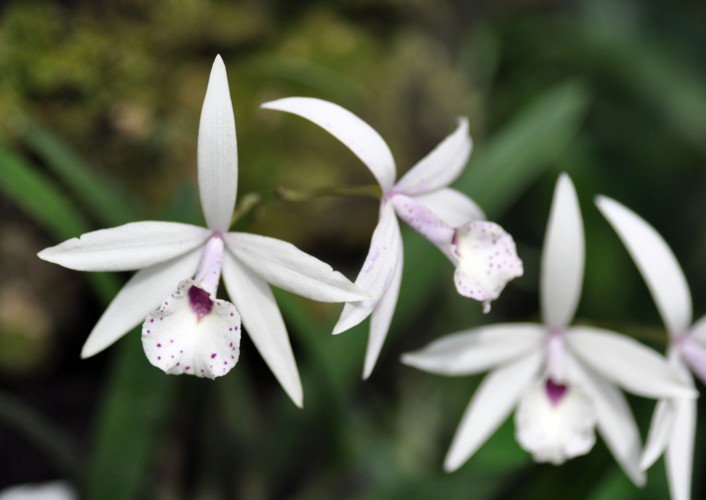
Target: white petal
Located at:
point(382, 317)
point(477, 350)
point(357, 135)
point(555, 431)
point(422, 220)
point(263, 324)
point(695, 354)
point(192, 333)
point(656, 262)
point(627, 363)
point(615, 421)
point(376, 274)
point(217, 151)
point(562, 258)
point(142, 293)
point(698, 331)
point(287, 267)
point(440, 167)
point(451, 206)
point(680, 452)
point(492, 403)
point(128, 247)
point(487, 261)
point(660, 432)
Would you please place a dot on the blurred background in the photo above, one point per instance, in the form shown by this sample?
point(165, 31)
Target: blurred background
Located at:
point(99, 113)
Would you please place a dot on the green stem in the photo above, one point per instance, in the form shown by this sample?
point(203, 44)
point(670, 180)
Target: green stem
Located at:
point(295, 195)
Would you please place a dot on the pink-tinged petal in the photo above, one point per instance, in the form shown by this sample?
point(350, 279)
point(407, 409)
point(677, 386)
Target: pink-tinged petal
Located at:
point(695, 354)
point(376, 274)
point(493, 401)
point(555, 422)
point(616, 424)
point(357, 135)
point(698, 331)
point(422, 220)
point(477, 350)
point(382, 316)
point(656, 262)
point(486, 261)
point(660, 432)
point(451, 206)
point(264, 324)
point(562, 258)
point(441, 166)
point(128, 247)
point(140, 295)
point(217, 152)
point(680, 452)
point(192, 333)
point(627, 363)
point(285, 266)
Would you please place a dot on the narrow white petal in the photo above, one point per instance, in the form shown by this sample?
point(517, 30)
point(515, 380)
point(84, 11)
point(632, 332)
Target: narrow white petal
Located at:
point(425, 222)
point(562, 258)
point(217, 151)
point(192, 333)
point(627, 363)
point(493, 401)
point(441, 166)
point(357, 135)
point(287, 267)
point(376, 274)
point(698, 331)
point(680, 452)
point(477, 350)
point(660, 432)
point(615, 421)
point(451, 206)
point(656, 262)
point(128, 247)
point(142, 293)
point(382, 317)
point(264, 324)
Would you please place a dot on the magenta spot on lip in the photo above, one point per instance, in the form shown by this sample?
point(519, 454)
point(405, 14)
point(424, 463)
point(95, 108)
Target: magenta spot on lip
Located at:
point(200, 302)
point(555, 391)
point(213, 355)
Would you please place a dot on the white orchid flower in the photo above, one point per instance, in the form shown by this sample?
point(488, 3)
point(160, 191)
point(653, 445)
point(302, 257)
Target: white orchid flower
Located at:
point(674, 422)
point(192, 331)
point(561, 379)
point(483, 253)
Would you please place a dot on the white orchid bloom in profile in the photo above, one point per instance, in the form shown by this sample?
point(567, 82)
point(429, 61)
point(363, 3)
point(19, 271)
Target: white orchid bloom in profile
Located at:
point(482, 252)
point(180, 266)
point(674, 422)
point(561, 379)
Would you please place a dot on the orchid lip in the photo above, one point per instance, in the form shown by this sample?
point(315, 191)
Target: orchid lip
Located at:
point(200, 302)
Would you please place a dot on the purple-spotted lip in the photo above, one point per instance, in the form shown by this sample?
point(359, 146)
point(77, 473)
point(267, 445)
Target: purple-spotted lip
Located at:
point(555, 391)
point(200, 301)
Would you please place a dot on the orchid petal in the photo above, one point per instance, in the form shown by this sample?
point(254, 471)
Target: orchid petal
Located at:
point(695, 355)
point(381, 317)
point(451, 206)
point(477, 350)
point(660, 432)
point(680, 452)
point(492, 403)
point(562, 258)
point(192, 333)
point(142, 293)
point(287, 267)
point(656, 262)
point(627, 363)
point(128, 247)
point(263, 323)
point(698, 331)
point(217, 151)
point(441, 166)
point(615, 421)
point(353, 132)
point(422, 220)
point(376, 274)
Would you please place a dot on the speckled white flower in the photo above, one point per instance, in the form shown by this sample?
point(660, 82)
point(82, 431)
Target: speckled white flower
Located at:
point(483, 253)
point(559, 378)
point(674, 421)
point(192, 331)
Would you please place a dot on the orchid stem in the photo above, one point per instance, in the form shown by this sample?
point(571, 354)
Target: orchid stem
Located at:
point(297, 195)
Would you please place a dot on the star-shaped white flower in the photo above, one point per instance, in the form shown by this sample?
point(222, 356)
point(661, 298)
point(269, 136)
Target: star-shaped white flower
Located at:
point(674, 421)
point(559, 378)
point(483, 253)
point(192, 331)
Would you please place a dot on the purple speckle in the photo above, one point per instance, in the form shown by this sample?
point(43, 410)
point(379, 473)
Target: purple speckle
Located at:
point(159, 345)
point(151, 320)
point(555, 391)
point(213, 355)
point(200, 302)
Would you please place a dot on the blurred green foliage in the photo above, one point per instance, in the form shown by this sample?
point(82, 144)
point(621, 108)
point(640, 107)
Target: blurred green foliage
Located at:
point(99, 106)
